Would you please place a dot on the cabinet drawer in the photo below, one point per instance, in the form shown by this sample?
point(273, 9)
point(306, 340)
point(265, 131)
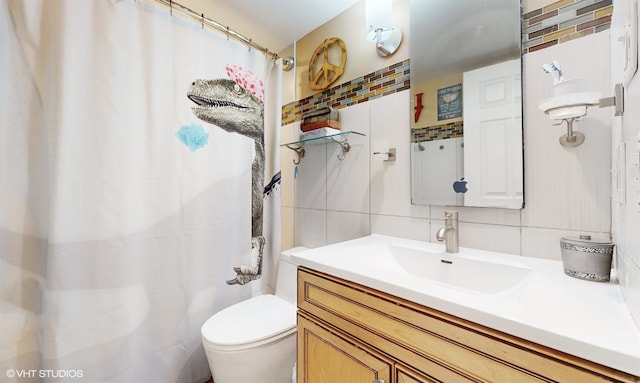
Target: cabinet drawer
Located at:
point(436, 343)
point(403, 377)
point(405, 374)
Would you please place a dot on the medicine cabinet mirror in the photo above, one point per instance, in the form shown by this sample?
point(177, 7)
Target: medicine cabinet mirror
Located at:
point(466, 100)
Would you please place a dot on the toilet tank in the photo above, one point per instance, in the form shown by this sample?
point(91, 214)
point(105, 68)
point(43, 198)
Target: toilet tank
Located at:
point(286, 284)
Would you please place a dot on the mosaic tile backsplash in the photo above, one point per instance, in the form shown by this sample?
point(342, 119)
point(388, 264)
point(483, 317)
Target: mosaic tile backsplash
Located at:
point(437, 132)
point(389, 80)
point(553, 24)
point(563, 21)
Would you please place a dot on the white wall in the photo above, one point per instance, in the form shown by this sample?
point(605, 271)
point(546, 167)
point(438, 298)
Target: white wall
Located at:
point(626, 136)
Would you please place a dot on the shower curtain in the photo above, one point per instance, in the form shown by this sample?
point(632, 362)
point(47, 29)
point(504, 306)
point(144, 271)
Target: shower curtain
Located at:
point(122, 214)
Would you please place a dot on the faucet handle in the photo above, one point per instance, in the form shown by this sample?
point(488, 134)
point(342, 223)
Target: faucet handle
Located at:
point(451, 214)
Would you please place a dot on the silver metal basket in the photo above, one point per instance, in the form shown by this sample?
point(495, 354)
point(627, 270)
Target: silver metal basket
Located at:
point(586, 258)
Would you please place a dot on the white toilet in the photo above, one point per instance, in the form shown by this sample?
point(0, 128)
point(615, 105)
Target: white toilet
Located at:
point(255, 340)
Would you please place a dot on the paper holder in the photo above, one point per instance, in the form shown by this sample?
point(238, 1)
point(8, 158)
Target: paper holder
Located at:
point(385, 156)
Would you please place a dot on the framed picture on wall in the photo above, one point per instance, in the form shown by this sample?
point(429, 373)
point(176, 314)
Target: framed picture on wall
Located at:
point(450, 102)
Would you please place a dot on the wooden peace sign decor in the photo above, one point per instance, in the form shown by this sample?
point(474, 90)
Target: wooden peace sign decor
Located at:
point(322, 72)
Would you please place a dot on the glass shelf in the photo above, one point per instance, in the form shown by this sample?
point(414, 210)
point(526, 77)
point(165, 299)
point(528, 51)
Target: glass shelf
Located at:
point(339, 138)
point(324, 139)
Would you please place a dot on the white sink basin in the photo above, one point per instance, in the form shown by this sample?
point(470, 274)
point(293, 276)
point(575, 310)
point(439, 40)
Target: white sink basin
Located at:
point(457, 271)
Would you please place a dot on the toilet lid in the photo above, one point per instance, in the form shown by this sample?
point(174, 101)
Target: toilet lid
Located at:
point(250, 321)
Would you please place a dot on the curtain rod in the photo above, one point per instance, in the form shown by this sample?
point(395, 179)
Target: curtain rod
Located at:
point(172, 5)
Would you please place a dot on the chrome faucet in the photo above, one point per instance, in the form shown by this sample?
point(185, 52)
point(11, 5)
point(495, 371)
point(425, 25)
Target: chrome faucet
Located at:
point(449, 232)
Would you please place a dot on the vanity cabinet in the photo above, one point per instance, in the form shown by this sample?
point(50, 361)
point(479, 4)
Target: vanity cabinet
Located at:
point(351, 333)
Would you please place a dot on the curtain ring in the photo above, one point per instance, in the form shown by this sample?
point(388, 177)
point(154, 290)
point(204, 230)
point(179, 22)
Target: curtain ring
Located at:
point(171, 7)
point(227, 33)
point(250, 45)
point(202, 21)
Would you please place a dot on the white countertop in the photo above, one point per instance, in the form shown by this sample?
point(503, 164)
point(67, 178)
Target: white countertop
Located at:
point(583, 318)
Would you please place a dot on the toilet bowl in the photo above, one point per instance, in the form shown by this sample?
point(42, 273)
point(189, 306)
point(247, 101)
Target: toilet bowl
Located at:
point(254, 340)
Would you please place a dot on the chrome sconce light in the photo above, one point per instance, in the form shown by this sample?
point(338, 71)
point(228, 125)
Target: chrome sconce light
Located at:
point(288, 63)
point(379, 27)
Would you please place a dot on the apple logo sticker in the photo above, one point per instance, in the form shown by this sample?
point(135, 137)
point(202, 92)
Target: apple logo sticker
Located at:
point(460, 186)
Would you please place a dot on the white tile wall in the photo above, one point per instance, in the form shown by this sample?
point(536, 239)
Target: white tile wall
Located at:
point(310, 227)
point(348, 179)
point(500, 238)
point(311, 182)
point(568, 188)
point(342, 226)
point(403, 227)
point(390, 180)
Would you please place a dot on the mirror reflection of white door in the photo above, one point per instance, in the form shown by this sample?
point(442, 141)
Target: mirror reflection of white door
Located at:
point(492, 111)
point(436, 165)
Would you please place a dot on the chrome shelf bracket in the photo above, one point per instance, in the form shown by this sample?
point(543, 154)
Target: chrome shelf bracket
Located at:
point(344, 146)
point(299, 152)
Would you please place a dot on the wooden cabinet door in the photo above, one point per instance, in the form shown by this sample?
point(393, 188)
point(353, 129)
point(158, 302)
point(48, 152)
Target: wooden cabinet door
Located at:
point(325, 357)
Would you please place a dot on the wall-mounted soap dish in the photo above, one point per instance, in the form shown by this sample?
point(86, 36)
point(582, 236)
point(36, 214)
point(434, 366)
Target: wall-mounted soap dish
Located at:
point(569, 104)
point(570, 107)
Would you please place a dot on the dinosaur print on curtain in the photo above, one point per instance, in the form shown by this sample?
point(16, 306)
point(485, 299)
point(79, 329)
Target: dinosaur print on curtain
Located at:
point(237, 105)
